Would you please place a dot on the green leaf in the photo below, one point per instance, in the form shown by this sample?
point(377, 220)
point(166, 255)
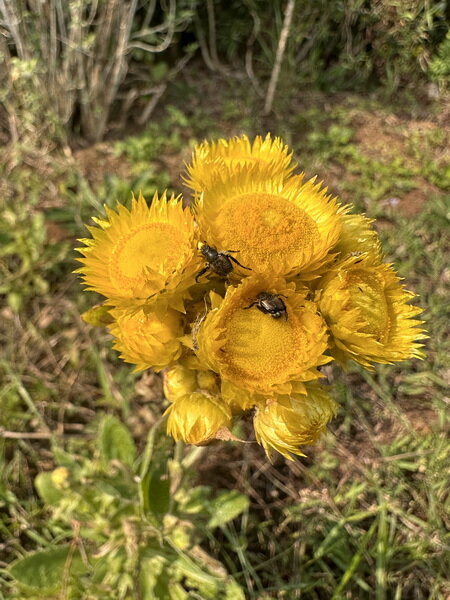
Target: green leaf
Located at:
point(226, 507)
point(46, 488)
point(233, 591)
point(195, 500)
point(63, 458)
point(154, 473)
point(156, 580)
point(156, 490)
point(115, 441)
point(46, 570)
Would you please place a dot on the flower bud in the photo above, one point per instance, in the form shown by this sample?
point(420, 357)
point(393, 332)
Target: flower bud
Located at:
point(207, 380)
point(286, 423)
point(197, 418)
point(178, 381)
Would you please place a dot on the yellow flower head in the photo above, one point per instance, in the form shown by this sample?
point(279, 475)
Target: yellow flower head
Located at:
point(286, 423)
point(277, 226)
point(146, 340)
point(358, 237)
point(197, 418)
point(210, 158)
point(256, 351)
point(179, 381)
point(368, 313)
point(141, 252)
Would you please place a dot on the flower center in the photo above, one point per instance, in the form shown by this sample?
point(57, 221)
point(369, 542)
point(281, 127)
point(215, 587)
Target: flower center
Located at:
point(260, 348)
point(367, 293)
point(267, 229)
point(155, 246)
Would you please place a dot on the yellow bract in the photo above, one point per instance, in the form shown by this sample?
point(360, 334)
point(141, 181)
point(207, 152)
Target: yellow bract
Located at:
point(368, 313)
point(277, 226)
point(142, 252)
point(239, 399)
point(286, 423)
point(197, 418)
point(210, 158)
point(258, 352)
point(145, 340)
point(98, 316)
point(358, 237)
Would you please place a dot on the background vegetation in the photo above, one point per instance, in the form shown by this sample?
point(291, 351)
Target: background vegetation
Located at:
point(101, 98)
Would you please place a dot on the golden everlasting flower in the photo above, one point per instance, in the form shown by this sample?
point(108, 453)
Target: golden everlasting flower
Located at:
point(198, 418)
point(211, 157)
point(277, 226)
point(141, 252)
point(286, 423)
point(368, 313)
point(256, 351)
point(358, 237)
point(146, 340)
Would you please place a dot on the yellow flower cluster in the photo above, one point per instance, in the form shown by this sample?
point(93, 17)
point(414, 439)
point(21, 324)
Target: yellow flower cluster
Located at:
point(244, 295)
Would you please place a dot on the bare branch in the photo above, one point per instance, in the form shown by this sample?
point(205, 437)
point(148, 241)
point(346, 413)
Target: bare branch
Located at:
point(212, 31)
point(169, 36)
point(279, 56)
point(149, 14)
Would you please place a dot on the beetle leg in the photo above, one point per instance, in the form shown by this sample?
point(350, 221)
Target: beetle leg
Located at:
point(200, 273)
point(238, 263)
point(252, 304)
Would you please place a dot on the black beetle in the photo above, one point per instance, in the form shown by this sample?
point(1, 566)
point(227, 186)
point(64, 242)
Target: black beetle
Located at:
point(270, 304)
point(218, 262)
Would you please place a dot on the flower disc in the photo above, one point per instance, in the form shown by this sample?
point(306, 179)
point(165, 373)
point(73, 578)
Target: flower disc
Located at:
point(277, 226)
point(141, 252)
point(210, 158)
point(146, 340)
point(256, 351)
point(368, 313)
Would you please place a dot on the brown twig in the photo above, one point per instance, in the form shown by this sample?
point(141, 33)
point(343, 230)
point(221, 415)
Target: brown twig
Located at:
point(19, 435)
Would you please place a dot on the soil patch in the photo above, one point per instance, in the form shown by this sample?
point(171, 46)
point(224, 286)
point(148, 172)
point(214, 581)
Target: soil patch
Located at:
point(100, 160)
